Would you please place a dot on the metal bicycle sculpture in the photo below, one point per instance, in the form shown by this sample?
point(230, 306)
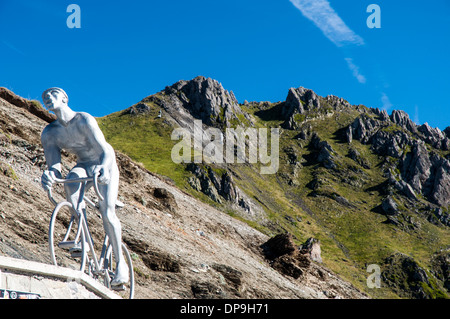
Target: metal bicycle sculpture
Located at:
point(77, 239)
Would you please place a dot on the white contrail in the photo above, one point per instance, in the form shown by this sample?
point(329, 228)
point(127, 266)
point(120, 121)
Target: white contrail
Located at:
point(328, 21)
point(385, 101)
point(355, 69)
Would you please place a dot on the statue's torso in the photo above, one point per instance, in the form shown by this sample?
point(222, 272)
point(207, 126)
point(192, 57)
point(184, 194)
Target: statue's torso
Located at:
point(74, 138)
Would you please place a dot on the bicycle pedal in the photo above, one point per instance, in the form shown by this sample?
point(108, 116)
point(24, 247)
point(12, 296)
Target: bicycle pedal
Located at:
point(119, 288)
point(67, 244)
point(76, 254)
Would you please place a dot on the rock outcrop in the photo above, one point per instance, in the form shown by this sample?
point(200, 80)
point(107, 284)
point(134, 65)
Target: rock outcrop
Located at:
point(206, 99)
point(441, 267)
point(139, 108)
point(390, 144)
point(428, 174)
point(433, 136)
point(312, 247)
point(408, 278)
point(285, 256)
point(325, 153)
point(301, 263)
point(222, 189)
point(302, 101)
point(389, 206)
point(401, 118)
point(363, 128)
point(424, 172)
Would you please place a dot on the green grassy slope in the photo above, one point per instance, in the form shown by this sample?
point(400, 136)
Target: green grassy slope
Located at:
point(146, 139)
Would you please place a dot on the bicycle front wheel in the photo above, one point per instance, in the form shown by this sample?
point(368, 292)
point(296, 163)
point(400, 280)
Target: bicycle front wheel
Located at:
point(66, 238)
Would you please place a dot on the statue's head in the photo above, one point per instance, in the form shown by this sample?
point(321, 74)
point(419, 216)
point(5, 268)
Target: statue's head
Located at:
point(54, 98)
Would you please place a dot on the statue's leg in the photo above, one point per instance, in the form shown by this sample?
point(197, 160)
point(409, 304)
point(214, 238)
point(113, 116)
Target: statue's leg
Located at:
point(73, 189)
point(73, 193)
point(112, 225)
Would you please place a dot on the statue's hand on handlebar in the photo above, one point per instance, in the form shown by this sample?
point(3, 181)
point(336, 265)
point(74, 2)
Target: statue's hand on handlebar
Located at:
point(47, 179)
point(104, 177)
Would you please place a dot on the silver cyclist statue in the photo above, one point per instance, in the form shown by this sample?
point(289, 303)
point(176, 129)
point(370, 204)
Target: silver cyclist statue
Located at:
point(79, 133)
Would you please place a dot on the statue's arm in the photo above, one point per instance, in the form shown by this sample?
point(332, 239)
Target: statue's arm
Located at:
point(97, 140)
point(52, 152)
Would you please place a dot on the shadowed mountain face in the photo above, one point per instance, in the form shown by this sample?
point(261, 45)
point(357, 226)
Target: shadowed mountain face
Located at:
point(368, 188)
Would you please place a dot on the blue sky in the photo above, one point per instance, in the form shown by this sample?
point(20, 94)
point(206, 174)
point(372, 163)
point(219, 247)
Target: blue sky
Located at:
point(125, 51)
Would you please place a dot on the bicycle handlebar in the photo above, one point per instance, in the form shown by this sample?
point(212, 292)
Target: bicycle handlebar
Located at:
point(77, 180)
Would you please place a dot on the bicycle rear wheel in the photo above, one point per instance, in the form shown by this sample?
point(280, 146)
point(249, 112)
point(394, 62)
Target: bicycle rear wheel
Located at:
point(66, 238)
point(127, 290)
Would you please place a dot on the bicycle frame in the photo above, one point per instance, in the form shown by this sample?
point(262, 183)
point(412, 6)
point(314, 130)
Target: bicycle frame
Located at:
point(97, 266)
point(80, 215)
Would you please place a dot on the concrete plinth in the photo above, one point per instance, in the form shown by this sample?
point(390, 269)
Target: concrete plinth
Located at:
point(28, 279)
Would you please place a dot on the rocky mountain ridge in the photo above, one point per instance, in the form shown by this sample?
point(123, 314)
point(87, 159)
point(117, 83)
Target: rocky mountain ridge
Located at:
point(424, 172)
point(420, 172)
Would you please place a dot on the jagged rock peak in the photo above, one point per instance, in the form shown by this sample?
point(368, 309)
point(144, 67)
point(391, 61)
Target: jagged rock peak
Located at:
point(402, 119)
point(382, 114)
point(205, 99)
point(302, 99)
point(202, 84)
point(434, 136)
point(298, 101)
